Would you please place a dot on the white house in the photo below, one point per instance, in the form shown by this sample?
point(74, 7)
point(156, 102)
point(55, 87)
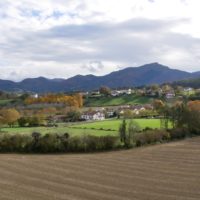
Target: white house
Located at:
point(93, 115)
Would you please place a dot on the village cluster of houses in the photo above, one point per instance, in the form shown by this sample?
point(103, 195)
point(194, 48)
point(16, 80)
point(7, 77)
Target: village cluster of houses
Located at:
point(168, 94)
point(101, 114)
point(139, 91)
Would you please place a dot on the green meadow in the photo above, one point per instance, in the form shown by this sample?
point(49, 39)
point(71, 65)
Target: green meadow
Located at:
point(114, 124)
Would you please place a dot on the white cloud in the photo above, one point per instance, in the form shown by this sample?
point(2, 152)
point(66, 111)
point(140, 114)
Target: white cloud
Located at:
point(63, 38)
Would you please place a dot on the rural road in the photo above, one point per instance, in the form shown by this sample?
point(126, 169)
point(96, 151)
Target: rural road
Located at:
point(161, 172)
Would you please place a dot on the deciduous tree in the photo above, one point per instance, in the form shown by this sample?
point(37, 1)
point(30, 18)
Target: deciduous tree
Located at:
point(9, 116)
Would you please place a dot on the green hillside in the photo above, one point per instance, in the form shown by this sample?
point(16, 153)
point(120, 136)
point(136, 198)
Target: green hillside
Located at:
point(115, 101)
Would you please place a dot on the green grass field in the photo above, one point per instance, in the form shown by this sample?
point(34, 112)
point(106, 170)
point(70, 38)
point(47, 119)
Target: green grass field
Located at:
point(109, 127)
point(115, 101)
point(4, 102)
point(114, 124)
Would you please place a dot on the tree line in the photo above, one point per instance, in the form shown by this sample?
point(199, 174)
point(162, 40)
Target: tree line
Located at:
point(74, 100)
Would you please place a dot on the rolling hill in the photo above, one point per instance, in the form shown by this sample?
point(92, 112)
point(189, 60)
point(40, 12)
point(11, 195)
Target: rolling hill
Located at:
point(128, 77)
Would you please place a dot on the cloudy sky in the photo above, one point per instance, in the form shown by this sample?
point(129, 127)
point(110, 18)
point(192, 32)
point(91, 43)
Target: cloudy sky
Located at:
point(62, 38)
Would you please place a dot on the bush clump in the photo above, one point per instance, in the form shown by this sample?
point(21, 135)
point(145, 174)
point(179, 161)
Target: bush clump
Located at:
point(54, 143)
point(90, 143)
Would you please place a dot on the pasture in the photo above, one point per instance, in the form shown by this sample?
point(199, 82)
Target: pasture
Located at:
point(114, 124)
point(168, 172)
point(97, 128)
point(4, 102)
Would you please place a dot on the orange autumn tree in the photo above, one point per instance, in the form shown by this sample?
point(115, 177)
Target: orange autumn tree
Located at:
point(72, 101)
point(194, 105)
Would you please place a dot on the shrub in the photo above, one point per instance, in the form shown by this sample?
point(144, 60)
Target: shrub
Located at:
point(107, 142)
point(92, 143)
point(151, 137)
point(14, 143)
point(179, 133)
point(73, 144)
point(49, 143)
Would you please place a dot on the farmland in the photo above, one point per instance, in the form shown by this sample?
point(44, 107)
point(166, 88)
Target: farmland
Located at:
point(100, 128)
point(115, 101)
point(154, 173)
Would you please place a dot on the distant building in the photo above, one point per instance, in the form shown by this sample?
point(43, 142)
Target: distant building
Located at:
point(84, 93)
point(136, 109)
point(115, 93)
point(110, 113)
point(188, 89)
point(95, 93)
point(170, 95)
point(93, 115)
point(35, 95)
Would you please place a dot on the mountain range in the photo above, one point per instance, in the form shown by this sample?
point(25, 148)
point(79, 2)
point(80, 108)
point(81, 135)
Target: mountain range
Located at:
point(153, 73)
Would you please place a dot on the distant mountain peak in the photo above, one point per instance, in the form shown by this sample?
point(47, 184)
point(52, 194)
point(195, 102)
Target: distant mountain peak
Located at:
point(128, 77)
point(154, 65)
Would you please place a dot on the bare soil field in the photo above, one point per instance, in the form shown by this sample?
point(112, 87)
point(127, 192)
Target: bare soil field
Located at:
point(161, 172)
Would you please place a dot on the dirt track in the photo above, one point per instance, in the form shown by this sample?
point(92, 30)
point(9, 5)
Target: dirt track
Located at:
point(161, 172)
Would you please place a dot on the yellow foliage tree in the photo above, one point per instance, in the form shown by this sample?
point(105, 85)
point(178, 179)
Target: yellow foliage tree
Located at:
point(194, 105)
point(9, 116)
point(158, 104)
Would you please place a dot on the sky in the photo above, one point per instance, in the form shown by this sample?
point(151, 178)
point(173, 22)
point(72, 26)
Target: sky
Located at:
point(63, 38)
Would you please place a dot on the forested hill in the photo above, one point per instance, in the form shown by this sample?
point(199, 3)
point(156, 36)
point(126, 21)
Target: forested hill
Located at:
point(194, 83)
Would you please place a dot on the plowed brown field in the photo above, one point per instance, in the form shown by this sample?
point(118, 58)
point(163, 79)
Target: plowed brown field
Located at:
point(161, 172)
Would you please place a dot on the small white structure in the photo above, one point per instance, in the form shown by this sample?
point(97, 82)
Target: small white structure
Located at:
point(35, 96)
point(188, 89)
point(110, 113)
point(170, 95)
point(115, 93)
point(129, 91)
point(93, 115)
